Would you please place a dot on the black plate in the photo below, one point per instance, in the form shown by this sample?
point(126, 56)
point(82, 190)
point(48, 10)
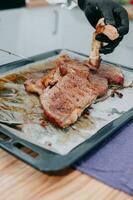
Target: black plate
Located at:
point(47, 161)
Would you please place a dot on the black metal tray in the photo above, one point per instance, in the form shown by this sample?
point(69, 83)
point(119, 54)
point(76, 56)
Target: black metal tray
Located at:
point(45, 160)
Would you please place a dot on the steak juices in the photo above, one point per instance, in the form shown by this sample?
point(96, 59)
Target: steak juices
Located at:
point(71, 87)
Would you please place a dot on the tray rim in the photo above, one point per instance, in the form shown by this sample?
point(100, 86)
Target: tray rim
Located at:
point(56, 162)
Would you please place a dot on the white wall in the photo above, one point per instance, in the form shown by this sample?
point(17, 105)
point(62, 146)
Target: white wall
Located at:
point(33, 31)
point(29, 32)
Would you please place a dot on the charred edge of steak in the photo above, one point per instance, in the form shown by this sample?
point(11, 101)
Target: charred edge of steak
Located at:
point(75, 73)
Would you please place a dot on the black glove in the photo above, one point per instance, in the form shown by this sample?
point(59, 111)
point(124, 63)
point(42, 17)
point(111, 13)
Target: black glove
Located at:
point(113, 14)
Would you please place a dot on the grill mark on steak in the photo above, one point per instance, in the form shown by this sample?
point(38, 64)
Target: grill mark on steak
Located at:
point(70, 88)
point(62, 109)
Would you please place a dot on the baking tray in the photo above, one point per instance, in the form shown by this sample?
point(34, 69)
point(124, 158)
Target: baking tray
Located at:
point(45, 160)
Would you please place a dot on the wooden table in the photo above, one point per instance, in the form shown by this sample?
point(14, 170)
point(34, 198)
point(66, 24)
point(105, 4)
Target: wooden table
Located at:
point(19, 181)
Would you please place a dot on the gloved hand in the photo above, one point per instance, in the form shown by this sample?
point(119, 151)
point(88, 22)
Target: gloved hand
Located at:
point(113, 14)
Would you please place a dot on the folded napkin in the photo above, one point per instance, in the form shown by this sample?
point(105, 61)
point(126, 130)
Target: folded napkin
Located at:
point(113, 163)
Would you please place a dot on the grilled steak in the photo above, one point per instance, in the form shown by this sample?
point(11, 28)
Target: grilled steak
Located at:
point(70, 88)
point(108, 71)
point(64, 105)
point(111, 73)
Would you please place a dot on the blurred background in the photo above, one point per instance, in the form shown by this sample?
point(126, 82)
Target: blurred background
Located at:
point(32, 27)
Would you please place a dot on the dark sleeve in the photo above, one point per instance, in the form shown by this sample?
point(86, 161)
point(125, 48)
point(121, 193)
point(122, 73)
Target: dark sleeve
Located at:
point(7, 4)
point(81, 4)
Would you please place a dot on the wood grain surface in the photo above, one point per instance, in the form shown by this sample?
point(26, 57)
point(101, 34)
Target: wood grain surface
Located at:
point(19, 181)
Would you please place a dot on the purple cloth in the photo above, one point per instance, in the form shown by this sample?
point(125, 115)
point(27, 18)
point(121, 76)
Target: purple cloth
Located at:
point(113, 163)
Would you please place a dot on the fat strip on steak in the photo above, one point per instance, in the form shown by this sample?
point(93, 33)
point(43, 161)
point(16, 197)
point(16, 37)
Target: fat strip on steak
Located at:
point(70, 88)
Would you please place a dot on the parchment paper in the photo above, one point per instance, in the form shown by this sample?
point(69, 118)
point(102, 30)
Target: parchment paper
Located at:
point(63, 141)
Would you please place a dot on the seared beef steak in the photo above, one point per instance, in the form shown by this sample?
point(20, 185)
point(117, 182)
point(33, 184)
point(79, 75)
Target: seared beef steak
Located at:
point(70, 88)
point(111, 73)
point(62, 106)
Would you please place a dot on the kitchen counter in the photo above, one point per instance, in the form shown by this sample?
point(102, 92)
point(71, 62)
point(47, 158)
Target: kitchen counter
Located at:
point(40, 3)
point(30, 32)
point(19, 181)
